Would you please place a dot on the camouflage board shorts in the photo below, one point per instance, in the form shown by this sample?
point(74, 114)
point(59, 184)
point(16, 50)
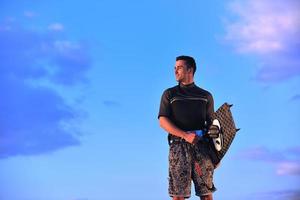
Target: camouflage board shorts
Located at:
point(189, 163)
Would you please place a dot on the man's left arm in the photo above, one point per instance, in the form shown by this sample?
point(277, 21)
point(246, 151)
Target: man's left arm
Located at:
point(209, 109)
point(213, 130)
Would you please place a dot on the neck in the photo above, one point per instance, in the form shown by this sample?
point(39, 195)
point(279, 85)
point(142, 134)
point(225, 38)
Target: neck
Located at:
point(188, 81)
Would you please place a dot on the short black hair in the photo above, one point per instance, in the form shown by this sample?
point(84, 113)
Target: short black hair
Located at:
point(190, 62)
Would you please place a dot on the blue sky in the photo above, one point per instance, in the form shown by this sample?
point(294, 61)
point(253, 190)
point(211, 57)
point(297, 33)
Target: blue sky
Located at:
point(81, 84)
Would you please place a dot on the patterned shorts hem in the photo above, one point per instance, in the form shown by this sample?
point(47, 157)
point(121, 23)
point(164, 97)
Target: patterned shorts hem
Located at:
point(178, 195)
point(208, 193)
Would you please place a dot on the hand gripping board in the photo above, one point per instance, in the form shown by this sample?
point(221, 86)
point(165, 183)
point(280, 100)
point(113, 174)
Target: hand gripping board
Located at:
point(228, 131)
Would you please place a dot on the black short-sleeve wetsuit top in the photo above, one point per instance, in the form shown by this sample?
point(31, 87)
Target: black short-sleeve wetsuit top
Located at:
point(189, 107)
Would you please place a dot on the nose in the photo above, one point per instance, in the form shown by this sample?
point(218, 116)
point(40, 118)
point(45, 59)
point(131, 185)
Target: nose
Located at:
point(176, 70)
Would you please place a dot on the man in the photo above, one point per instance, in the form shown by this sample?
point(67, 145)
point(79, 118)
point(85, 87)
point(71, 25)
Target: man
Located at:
point(184, 109)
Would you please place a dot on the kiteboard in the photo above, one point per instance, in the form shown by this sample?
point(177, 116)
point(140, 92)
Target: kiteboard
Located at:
point(219, 146)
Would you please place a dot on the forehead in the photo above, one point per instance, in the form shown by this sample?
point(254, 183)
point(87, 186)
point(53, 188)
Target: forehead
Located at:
point(180, 63)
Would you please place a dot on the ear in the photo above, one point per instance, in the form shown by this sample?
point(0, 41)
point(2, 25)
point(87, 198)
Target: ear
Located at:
point(190, 70)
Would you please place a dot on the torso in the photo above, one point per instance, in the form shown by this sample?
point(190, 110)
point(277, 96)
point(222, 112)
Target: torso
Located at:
point(189, 106)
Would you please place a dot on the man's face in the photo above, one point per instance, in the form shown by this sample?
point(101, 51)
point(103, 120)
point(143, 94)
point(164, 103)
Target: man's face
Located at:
point(181, 71)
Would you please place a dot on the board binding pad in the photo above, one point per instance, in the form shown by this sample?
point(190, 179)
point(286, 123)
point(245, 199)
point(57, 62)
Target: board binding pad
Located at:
point(228, 131)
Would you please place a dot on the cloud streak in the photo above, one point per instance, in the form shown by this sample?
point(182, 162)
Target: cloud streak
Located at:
point(56, 27)
point(287, 162)
point(296, 97)
point(277, 195)
point(33, 118)
point(110, 103)
point(29, 14)
point(271, 31)
point(288, 168)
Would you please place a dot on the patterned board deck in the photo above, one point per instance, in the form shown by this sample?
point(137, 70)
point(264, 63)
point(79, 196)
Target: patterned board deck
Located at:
point(228, 131)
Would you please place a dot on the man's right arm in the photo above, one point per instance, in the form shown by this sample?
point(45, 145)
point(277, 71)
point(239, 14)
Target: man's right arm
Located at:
point(168, 126)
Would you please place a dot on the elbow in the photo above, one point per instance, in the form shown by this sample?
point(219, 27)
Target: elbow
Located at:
point(161, 122)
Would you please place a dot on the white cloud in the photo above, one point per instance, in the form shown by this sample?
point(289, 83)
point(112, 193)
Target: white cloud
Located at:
point(56, 27)
point(269, 29)
point(264, 26)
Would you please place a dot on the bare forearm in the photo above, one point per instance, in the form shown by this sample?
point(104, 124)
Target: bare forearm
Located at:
point(168, 126)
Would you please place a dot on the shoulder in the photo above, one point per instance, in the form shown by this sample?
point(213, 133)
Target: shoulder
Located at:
point(204, 92)
point(170, 91)
point(172, 88)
